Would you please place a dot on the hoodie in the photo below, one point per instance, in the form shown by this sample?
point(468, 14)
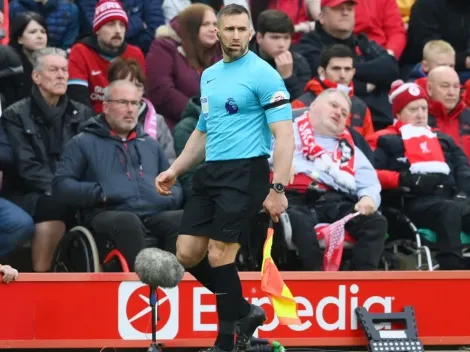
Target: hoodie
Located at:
point(100, 170)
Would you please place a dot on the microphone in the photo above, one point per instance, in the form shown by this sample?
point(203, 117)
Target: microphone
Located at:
point(158, 268)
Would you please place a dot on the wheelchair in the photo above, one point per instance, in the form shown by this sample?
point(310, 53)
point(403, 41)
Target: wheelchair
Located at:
point(420, 242)
point(79, 251)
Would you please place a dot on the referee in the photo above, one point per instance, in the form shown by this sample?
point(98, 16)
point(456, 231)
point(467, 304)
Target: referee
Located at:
point(243, 102)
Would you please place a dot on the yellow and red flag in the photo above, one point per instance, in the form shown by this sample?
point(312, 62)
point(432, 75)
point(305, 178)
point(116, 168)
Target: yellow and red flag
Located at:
point(279, 294)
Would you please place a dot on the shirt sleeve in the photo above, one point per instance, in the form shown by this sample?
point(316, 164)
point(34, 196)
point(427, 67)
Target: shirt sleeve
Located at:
point(77, 70)
point(273, 96)
point(367, 181)
point(201, 124)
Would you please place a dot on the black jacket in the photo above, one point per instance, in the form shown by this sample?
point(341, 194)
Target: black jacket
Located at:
point(448, 20)
point(15, 76)
point(373, 65)
point(97, 164)
point(389, 160)
point(302, 72)
point(34, 161)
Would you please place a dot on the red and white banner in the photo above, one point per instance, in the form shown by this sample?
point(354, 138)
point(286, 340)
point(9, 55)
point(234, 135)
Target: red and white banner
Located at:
point(97, 310)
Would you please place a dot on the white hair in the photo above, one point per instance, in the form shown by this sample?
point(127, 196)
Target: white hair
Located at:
point(39, 55)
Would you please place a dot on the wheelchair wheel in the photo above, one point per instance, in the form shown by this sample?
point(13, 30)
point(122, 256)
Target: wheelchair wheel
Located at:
point(76, 252)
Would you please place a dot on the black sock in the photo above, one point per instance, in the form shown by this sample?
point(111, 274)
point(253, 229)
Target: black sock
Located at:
point(228, 290)
point(203, 273)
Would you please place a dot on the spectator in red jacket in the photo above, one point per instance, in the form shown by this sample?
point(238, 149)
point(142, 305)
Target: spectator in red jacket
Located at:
point(435, 53)
point(90, 58)
point(447, 110)
point(178, 55)
point(431, 166)
point(336, 70)
point(381, 21)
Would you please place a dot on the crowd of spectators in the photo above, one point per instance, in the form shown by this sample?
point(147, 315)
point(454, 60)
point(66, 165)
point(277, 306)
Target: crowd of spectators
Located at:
point(99, 96)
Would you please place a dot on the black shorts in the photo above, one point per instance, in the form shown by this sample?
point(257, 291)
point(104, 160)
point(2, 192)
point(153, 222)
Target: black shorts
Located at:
point(225, 197)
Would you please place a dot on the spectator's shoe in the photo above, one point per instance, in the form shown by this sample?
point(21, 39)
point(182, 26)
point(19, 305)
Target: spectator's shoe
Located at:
point(247, 326)
point(215, 349)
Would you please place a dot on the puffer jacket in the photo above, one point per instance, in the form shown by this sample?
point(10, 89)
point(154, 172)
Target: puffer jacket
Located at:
point(98, 165)
point(61, 18)
point(172, 82)
point(181, 134)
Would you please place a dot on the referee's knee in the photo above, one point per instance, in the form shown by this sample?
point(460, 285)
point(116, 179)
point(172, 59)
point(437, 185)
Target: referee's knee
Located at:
point(222, 253)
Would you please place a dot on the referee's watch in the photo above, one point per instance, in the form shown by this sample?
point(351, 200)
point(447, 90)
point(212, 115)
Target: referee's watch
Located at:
point(278, 187)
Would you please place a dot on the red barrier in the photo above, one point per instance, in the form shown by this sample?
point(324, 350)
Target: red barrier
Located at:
point(97, 310)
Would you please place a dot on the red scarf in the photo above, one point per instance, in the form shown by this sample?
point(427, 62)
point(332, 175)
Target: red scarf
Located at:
point(338, 165)
point(422, 149)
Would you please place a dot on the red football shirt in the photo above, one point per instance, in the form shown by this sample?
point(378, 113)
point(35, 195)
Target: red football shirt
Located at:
point(90, 69)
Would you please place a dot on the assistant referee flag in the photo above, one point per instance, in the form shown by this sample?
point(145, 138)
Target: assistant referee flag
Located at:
point(279, 294)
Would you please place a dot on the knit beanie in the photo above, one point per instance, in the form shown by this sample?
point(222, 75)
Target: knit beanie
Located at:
point(107, 11)
point(401, 94)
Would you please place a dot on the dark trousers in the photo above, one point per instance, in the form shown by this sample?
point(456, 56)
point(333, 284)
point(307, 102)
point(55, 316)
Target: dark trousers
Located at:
point(127, 231)
point(369, 231)
point(446, 217)
point(303, 221)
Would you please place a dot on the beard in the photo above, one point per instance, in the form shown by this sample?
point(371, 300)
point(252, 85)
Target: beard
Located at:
point(234, 54)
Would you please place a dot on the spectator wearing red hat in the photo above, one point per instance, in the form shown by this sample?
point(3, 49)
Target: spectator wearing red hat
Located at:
point(91, 57)
point(436, 171)
point(375, 68)
point(145, 16)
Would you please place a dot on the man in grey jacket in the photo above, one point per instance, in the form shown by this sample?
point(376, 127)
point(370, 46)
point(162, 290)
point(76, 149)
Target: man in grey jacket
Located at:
point(327, 155)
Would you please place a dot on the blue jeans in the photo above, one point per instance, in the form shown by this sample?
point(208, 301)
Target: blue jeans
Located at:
point(16, 226)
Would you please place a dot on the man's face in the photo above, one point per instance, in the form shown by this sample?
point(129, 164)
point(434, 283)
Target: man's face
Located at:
point(53, 75)
point(339, 19)
point(415, 113)
point(441, 59)
point(122, 109)
point(444, 87)
point(112, 34)
point(234, 35)
point(274, 44)
point(329, 114)
point(339, 70)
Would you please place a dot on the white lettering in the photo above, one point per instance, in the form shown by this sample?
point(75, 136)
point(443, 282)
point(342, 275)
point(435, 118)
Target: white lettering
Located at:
point(346, 300)
point(340, 323)
point(200, 308)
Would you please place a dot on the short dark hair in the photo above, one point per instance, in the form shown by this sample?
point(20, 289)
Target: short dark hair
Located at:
point(336, 50)
point(274, 21)
point(232, 9)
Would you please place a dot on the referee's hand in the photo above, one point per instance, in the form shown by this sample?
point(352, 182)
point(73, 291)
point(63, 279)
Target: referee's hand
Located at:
point(165, 181)
point(275, 204)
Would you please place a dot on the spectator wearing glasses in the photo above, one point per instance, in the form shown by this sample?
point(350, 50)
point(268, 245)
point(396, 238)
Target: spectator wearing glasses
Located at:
point(109, 171)
point(153, 123)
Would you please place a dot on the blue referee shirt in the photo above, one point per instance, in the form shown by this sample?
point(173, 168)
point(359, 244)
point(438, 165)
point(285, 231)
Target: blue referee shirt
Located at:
point(239, 100)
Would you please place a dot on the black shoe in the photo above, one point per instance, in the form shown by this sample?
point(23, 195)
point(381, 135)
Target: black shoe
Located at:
point(247, 326)
point(214, 349)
